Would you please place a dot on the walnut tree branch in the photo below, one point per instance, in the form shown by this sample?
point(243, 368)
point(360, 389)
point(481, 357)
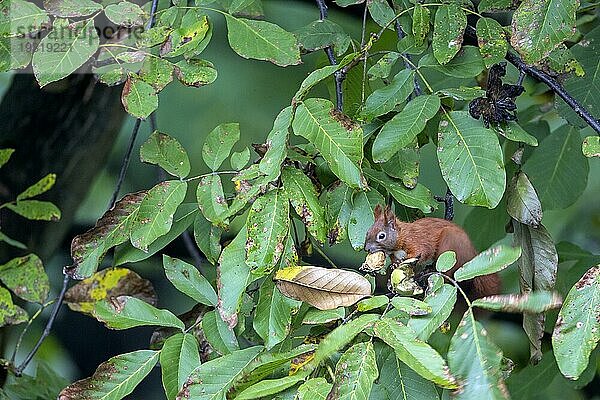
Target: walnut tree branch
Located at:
point(338, 75)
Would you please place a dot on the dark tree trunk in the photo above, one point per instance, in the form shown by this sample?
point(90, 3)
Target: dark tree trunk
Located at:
point(67, 128)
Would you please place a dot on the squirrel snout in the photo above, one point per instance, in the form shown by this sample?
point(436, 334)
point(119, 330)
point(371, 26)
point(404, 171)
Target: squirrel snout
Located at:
point(371, 247)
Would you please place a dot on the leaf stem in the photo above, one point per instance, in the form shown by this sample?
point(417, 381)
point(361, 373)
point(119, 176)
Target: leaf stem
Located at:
point(210, 174)
point(418, 72)
point(321, 252)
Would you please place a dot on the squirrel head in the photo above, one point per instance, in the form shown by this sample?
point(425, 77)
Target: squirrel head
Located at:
point(383, 234)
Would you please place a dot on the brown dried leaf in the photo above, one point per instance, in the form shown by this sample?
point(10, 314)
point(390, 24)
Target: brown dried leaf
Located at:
point(322, 288)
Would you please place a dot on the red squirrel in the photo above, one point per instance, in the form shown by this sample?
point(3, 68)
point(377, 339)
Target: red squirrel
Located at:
point(425, 239)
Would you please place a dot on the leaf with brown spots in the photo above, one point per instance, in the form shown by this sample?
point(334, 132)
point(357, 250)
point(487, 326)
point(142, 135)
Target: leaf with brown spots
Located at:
point(448, 30)
point(155, 215)
point(113, 379)
point(25, 277)
point(110, 282)
point(166, 152)
point(476, 361)
point(577, 329)
point(418, 355)
point(10, 314)
point(322, 288)
point(89, 248)
point(355, 373)
point(268, 225)
point(219, 143)
point(188, 280)
point(522, 202)
point(533, 302)
point(303, 196)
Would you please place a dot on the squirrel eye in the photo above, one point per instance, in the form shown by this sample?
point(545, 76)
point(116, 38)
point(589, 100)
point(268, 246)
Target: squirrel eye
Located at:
point(381, 236)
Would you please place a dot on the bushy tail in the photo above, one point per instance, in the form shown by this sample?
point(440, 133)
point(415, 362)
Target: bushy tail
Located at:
point(486, 285)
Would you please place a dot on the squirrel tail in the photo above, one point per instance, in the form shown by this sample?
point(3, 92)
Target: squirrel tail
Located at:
point(486, 285)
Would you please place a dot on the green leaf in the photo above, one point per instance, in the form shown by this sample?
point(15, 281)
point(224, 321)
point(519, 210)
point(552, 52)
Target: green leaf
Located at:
point(262, 40)
point(41, 186)
point(155, 215)
point(188, 280)
point(240, 159)
point(381, 12)
point(219, 143)
point(315, 316)
point(183, 218)
point(211, 200)
point(25, 277)
point(491, 41)
point(335, 136)
point(124, 312)
point(441, 302)
point(383, 100)
point(156, 71)
point(577, 329)
point(233, 276)
point(448, 30)
point(213, 379)
point(113, 228)
point(585, 88)
point(195, 73)
point(420, 197)
point(74, 44)
point(420, 23)
point(383, 67)
point(139, 98)
point(462, 93)
point(338, 206)
point(591, 146)
point(273, 315)
point(355, 373)
point(533, 302)
point(494, 5)
point(15, 15)
point(361, 216)
point(397, 381)
point(218, 334)
point(314, 389)
point(269, 387)
point(10, 314)
point(71, 8)
point(487, 262)
point(268, 225)
point(340, 337)
point(303, 196)
point(35, 210)
point(115, 378)
point(411, 306)
point(467, 64)
point(513, 131)
point(539, 26)
point(476, 361)
point(537, 269)
point(322, 33)
point(166, 152)
point(404, 165)
point(445, 261)
point(404, 127)
point(178, 358)
point(186, 39)
point(371, 303)
point(5, 155)
point(415, 353)
point(207, 238)
point(558, 169)
point(12, 242)
point(522, 201)
point(277, 139)
point(125, 14)
point(471, 161)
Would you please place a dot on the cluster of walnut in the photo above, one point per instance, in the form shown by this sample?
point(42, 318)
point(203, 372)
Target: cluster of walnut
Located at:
point(402, 280)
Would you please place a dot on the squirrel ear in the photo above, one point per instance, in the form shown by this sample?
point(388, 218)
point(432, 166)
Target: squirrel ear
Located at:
point(389, 215)
point(377, 212)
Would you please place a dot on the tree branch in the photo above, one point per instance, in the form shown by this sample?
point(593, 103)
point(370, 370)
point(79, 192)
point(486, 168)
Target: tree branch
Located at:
point(407, 61)
point(448, 201)
point(338, 75)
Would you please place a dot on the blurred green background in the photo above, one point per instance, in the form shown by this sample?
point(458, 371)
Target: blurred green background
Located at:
point(252, 93)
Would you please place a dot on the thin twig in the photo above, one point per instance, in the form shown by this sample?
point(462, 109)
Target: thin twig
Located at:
point(19, 370)
point(321, 252)
point(448, 201)
point(192, 249)
point(339, 76)
point(125, 163)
